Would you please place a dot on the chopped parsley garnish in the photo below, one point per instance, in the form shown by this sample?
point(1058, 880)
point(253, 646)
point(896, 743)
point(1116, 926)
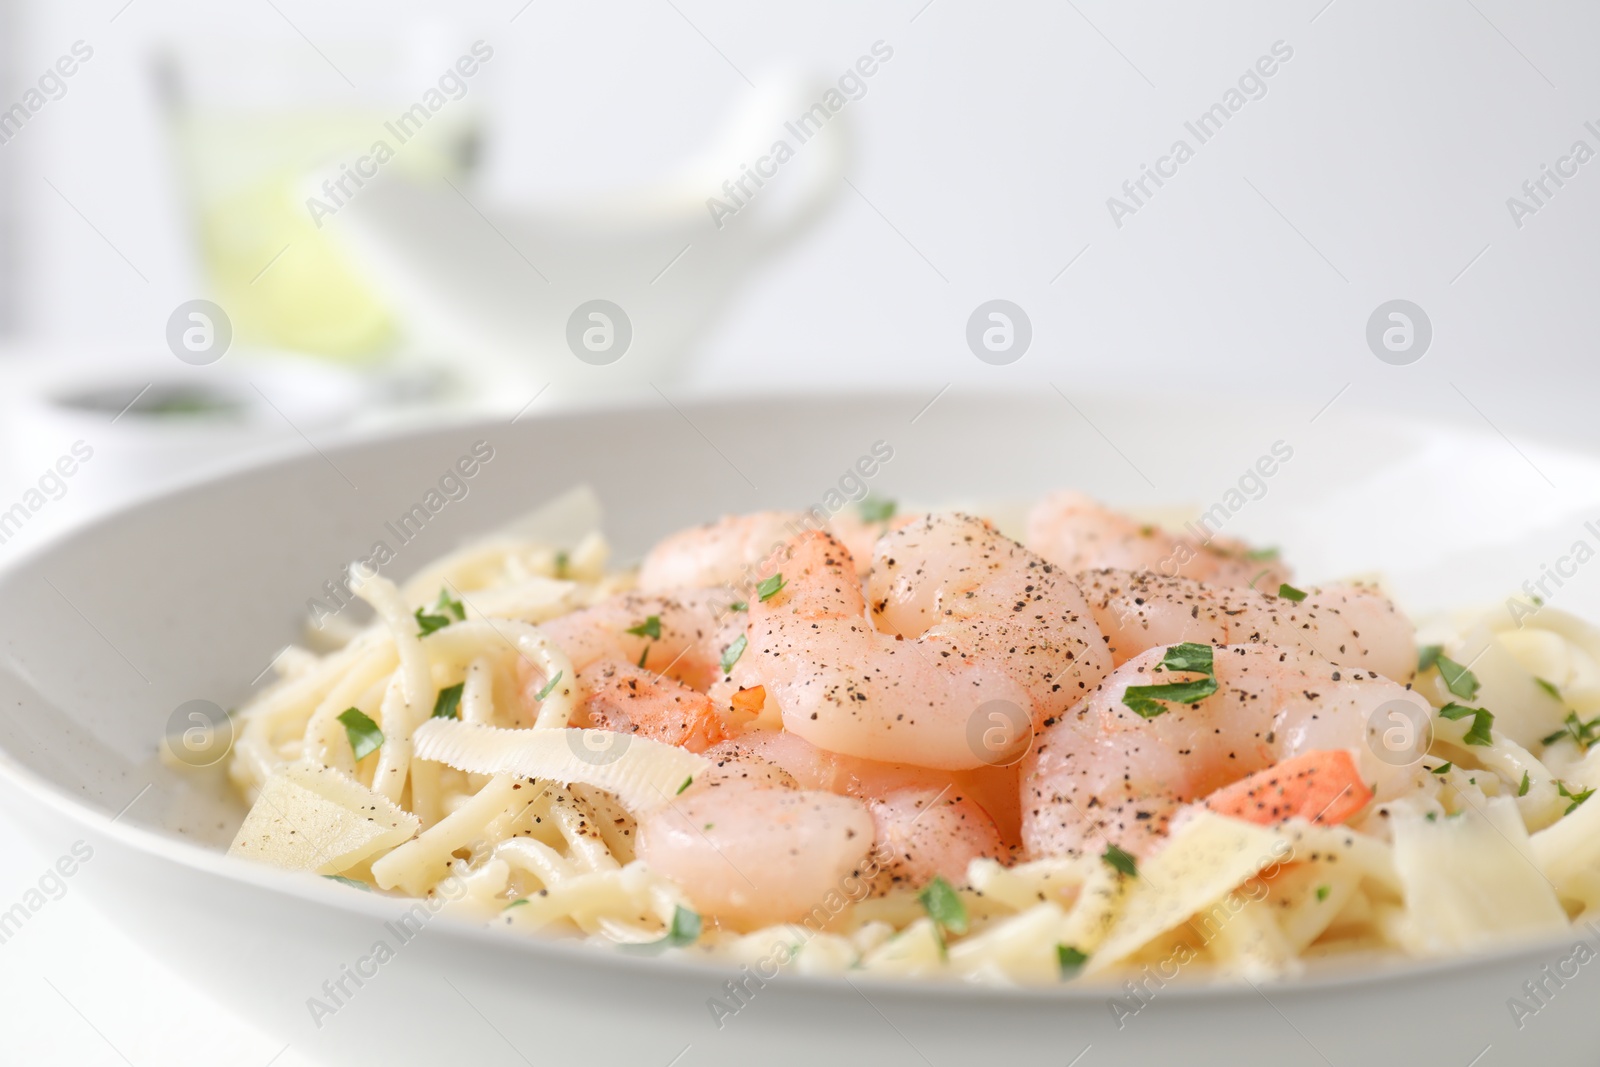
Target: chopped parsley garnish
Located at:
point(769, 587)
point(1479, 734)
point(1481, 721)
point(1070, 960)
point(448, 703)
point(548, 686)
point(1322, 892)
point(738, 605)
point(1548, 688)
point(365, 737)
point(1188, 656)
point(562, 562)
point(515, 904)
point(1427, 656)
point(1443, 768)
point(943, 906)
point(685, 930)
point(1460, 681)
point(1583, 734)
point(731, 654)
point(687, 782)
point(1432, 816)
point(1119, 860)
point(1576, 798)
point(1145, 700)
point(449, 605)
point(342, 880)
point(1289, 592)
point(1522, 790)
point(651, 628)
point(427, 624)
point(1261, 553)
point(445, 611)
point(875, 509)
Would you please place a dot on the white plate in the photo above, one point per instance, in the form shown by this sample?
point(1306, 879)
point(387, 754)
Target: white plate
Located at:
point(104, 634)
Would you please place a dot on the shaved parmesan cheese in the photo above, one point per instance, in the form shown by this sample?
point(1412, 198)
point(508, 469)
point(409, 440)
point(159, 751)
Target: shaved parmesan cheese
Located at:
point(1250, 943)
point(1205, 859)
point(917, 949)
point(314, 818)
point(1509, 649)
point(643, 774)
point(1056, 879)
point(1096, 909)
point(1470, 880)
point(1523, 711)
point(1021, 947)
point(1307, 897)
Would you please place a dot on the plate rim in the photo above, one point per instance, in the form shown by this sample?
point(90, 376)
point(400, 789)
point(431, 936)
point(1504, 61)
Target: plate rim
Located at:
point(181, 852)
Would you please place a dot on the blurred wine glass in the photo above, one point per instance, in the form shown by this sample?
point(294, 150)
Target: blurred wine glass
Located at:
point(248, 124)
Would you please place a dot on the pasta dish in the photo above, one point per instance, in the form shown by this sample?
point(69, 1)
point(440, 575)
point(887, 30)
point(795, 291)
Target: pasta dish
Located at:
point(1075, 747)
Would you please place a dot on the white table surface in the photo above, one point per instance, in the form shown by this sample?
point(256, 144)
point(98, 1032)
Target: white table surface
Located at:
point(65, 981)
point(77, 991)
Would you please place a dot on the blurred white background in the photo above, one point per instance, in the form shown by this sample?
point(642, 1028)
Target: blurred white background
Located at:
point(1377, 166)
point(1375, 163)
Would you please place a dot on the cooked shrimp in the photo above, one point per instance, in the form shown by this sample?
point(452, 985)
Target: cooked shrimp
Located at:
point(750, 856)
point(1348, 624)
point(921, 833)
point(859, 535)
point(629, 699)
point(943, 571)
point(717, 554)
point(736, 762)
point(982, 802)
point(739, 683)
point(1078, 534)
point(736, 551)
point(1103, 774)
point(1005, 627)
point(925, 823)
point(994, 789)
point(677, 634)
